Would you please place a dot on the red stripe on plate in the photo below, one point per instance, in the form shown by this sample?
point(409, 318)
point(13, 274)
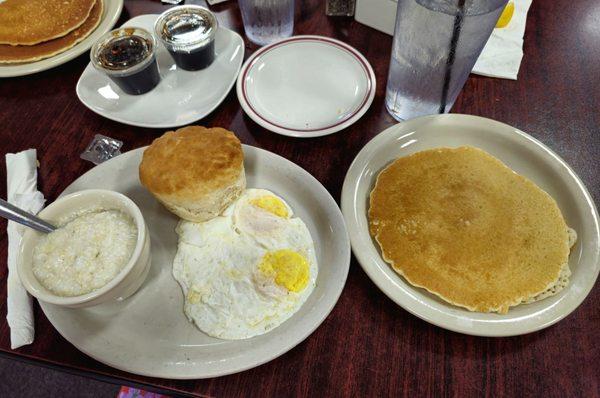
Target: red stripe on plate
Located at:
point(279, 44)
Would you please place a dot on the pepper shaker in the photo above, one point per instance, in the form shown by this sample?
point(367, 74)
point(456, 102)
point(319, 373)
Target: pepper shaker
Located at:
point(340, 7)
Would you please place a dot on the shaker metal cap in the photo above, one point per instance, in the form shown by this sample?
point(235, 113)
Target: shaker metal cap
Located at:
point(186, 28)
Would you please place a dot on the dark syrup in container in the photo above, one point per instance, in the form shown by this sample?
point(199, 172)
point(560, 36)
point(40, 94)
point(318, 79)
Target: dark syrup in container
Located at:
point(126, 52)
point(188, 34)
point(195, 60)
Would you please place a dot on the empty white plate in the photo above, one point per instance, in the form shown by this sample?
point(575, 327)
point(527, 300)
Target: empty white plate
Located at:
point(525, 155)
point(306, 86)
point(181, 97)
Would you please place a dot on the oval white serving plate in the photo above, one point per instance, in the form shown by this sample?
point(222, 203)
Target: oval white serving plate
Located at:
point(181, 97)
point(525, 155)
point(306, 86)
point(148, 334)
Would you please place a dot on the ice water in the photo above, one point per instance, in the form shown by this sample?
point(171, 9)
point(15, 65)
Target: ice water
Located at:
point(436, 43)
point(266, 21)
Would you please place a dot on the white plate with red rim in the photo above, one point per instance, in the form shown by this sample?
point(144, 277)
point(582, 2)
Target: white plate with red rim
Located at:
point(181, 97)
point(519, 151)
point(306, 86)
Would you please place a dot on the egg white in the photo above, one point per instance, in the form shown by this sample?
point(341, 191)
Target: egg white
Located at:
point(216, 264)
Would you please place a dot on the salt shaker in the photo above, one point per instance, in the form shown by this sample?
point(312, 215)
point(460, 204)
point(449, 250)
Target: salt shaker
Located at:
point(340, 7)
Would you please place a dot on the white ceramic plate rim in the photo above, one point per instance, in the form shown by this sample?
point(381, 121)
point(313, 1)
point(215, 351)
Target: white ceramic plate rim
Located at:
point(197, 117)
point(112, 11)
point(263, 121)
point(277, 346)
point(397, 289)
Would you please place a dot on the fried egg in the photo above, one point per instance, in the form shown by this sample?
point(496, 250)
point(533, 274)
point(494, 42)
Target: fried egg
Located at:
point(247, 271)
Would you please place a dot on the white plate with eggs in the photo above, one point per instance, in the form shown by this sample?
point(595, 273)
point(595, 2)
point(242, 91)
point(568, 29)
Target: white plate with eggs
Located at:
point(149, 334)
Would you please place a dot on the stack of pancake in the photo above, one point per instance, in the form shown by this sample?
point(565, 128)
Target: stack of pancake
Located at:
point(31, 30)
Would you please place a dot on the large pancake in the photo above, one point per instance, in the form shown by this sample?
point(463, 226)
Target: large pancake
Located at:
point(464, 226)
point(29, 22)
point(13, 54)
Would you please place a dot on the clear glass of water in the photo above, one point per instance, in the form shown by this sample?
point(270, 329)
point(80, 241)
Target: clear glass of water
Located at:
point(266, 21)
point(436, 43)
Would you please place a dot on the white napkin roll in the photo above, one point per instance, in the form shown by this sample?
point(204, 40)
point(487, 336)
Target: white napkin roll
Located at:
point(21, 172)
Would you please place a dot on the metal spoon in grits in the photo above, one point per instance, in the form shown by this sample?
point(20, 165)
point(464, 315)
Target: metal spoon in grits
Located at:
point(13, 213)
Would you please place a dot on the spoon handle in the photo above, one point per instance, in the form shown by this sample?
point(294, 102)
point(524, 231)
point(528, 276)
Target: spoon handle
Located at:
point(15, 214)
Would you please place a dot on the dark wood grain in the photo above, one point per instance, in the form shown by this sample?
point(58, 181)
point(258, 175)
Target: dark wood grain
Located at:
point(368, 346)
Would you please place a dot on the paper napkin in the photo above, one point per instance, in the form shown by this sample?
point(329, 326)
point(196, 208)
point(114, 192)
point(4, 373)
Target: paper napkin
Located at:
point(502, 54)
point(21, 172)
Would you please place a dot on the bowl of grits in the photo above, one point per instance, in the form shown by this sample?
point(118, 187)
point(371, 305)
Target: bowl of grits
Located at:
point(99, 252)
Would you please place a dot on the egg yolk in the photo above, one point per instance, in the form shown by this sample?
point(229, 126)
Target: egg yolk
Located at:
point(288, 268)
point(271, 204)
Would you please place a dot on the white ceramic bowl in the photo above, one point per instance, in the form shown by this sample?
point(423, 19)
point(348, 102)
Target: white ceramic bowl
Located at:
point(127, 282)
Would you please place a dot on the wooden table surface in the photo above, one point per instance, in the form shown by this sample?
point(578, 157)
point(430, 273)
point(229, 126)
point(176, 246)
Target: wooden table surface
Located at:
point(368, 346)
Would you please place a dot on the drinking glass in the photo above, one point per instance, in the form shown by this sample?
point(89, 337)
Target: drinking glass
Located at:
point(266, 21)
point(436, 44)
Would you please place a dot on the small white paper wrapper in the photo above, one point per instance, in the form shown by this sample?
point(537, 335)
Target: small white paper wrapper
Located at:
point(501, 57)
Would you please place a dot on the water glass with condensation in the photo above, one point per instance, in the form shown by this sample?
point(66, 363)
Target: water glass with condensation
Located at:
point(266, 21)
point(436, 44)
